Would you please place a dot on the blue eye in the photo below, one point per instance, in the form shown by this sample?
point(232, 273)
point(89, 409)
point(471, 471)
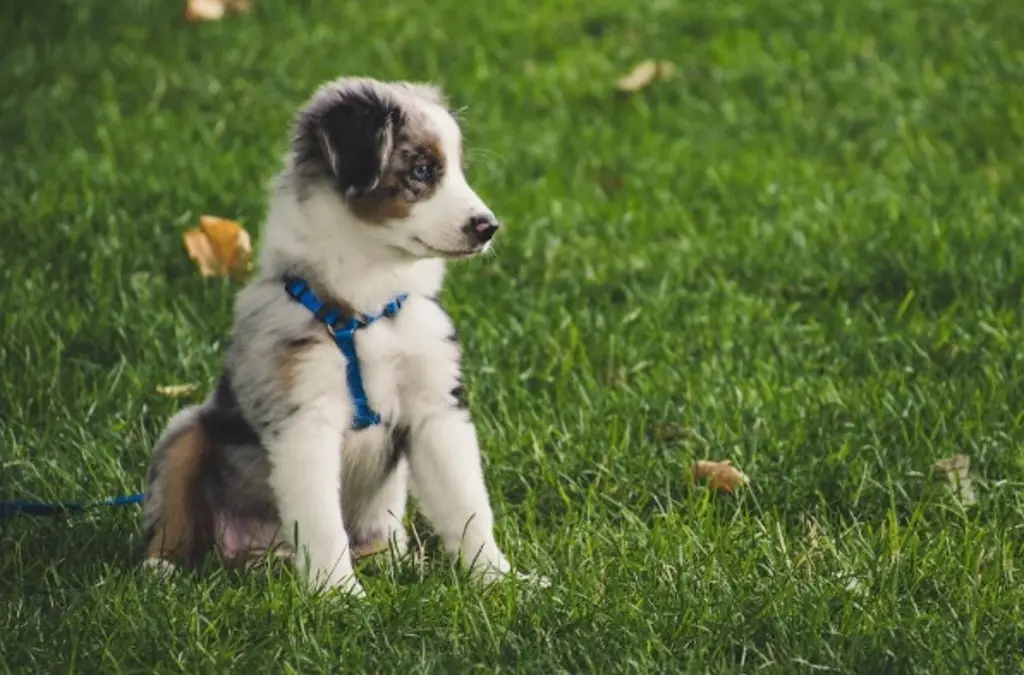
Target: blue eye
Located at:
point(422, 172)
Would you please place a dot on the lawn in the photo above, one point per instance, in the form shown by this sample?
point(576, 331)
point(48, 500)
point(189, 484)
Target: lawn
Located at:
point(803, 252)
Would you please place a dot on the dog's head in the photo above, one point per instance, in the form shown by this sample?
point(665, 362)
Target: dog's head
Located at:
point(392, 153)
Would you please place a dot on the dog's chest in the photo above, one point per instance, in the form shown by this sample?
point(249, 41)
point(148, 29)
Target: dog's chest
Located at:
point(381, 351)
point(408, 366)
point(407, 361)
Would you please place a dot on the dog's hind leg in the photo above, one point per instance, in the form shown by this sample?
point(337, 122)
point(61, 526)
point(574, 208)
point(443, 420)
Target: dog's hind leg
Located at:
point(177, 521)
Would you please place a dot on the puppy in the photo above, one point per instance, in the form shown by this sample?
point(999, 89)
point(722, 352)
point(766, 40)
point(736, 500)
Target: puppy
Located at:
point(314, 436)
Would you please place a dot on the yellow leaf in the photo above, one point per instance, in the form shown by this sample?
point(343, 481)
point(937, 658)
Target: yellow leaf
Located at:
point(231, 243)
point(177, 390)
point(721, 475)
point(199, 249)
point(220, 247)
point(643, 74)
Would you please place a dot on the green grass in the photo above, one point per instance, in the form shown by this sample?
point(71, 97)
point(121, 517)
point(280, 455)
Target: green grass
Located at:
point(805, 253)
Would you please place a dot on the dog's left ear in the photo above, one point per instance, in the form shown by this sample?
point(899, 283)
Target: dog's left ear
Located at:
point(352, 129)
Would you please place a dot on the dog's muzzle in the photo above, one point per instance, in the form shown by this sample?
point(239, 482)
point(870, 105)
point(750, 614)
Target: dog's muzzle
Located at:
point(482, 228)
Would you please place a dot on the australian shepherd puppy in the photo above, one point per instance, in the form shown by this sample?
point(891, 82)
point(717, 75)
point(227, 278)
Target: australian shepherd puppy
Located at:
point(371, 203)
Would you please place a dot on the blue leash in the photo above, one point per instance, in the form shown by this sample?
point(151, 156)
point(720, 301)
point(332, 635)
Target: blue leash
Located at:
point(345, 337)
point(11, 509)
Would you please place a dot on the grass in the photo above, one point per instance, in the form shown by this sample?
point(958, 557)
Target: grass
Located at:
point(803, 253)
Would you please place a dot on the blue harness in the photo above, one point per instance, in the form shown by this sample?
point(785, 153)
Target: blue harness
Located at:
point(344, 335)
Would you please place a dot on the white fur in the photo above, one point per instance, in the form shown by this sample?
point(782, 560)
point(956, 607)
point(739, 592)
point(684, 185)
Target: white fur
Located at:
point(408, 365)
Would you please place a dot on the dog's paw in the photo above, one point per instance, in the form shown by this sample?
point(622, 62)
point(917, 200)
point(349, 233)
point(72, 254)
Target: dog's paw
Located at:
point(341, 584)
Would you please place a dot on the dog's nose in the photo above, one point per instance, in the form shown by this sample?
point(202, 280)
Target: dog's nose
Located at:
point(483, 227)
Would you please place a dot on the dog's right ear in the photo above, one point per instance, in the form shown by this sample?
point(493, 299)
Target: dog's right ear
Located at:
point(350, 130)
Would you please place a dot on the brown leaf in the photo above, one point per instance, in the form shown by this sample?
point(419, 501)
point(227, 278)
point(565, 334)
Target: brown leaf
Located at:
point(199, 249)
point(214, 10)
point(957, 470)
point(643, 74)
point(369, 549)
point(721, 475)
point(177, 390)
point(204, 10)
point(220, 247)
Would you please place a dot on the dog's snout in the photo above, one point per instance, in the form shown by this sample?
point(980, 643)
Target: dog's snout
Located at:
point(483, 227)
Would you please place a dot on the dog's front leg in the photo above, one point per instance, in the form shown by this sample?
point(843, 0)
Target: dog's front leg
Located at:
point(448, 483)
point(305, 453)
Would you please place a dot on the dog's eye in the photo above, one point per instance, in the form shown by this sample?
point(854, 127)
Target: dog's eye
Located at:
point(422, 172)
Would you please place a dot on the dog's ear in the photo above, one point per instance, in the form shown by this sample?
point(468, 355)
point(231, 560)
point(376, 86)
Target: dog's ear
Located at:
point(352, 128)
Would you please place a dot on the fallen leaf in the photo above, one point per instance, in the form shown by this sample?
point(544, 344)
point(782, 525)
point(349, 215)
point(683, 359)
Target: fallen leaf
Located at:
point(957, 470)
point(220, 247)
point(643, 74)
point(204, 10)
point(369, 549)
point(200, 250)
point(214, 10)
point(230, 241)
point(177, 390)
point(721, 475)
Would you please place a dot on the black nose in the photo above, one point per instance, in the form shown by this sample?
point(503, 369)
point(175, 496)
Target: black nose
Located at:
point(482, 228)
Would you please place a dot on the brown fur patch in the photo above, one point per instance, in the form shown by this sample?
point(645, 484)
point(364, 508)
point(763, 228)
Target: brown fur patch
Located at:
point(397, 191)
point(183, 528)
point(293, 353)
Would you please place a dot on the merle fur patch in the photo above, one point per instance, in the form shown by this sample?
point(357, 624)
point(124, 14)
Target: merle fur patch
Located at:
point(223, 422)
point(346, 134)
point(377, 150)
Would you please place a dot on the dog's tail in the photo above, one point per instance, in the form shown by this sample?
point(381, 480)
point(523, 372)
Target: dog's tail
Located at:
point(177, 515)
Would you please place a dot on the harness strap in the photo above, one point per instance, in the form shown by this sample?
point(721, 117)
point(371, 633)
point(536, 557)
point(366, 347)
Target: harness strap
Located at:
point(10, 509)
point(345, 337)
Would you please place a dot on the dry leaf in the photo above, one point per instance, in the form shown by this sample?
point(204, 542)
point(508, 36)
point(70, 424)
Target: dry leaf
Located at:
point(369, 549)
point(643, 74)
point(177, 390)
point(204, 10)
point(957, 471)
point(199, 249)
point(214, 10)
point(230, 242)
point(721, 475)
point(219, 247)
